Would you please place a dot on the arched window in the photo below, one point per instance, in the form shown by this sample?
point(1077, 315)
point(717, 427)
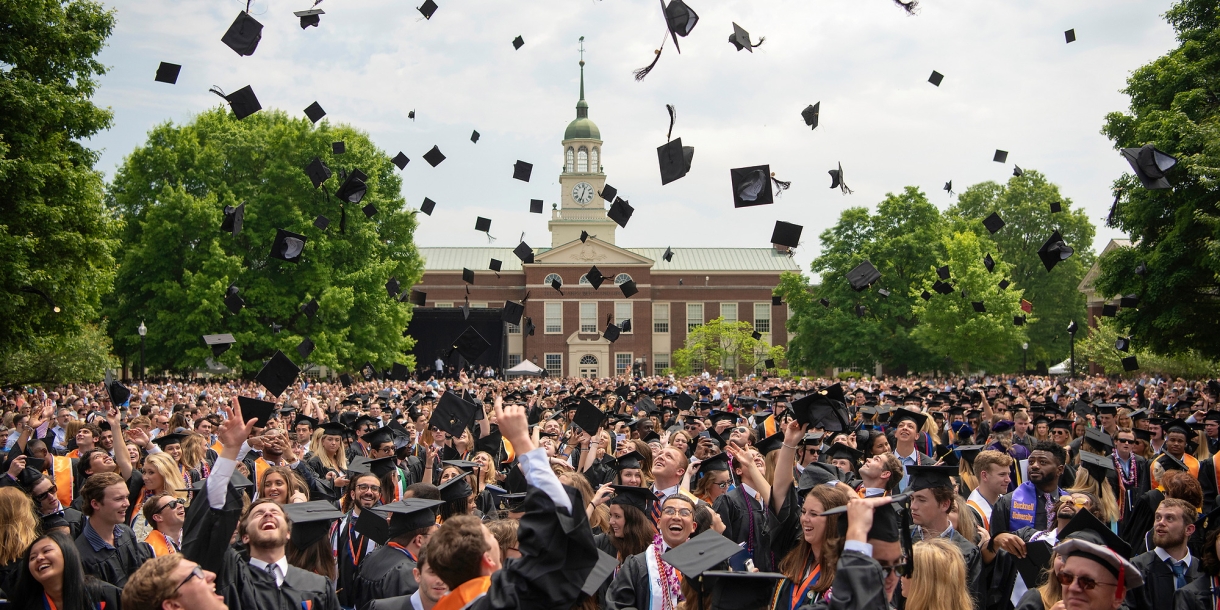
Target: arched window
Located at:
point(582, 160)
point(571, 163)
point(594, 167)
point(552, 277)
point(621, 279)
point(584, 279)
point(588, 359)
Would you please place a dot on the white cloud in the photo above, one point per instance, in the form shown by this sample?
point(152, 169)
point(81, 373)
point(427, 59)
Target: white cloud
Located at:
point(1011, 82)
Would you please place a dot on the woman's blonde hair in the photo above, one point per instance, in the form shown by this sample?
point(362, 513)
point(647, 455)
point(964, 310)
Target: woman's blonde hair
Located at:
point(1051, 591)
point(600, 519)
point(171, 476)
point(966, 526)
point(315, 445)
point(193, 450)
point(1107, 502)
point(19, 524)
point(488, 474)
point(292, 479)
point(939, 574)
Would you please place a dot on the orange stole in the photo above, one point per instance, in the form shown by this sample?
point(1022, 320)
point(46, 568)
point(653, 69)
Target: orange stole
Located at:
point(160, 545)
point(260, 466)
point(464, 594)
point(63, 479)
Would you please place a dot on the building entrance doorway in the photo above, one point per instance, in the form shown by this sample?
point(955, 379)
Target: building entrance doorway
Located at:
point(588, 367)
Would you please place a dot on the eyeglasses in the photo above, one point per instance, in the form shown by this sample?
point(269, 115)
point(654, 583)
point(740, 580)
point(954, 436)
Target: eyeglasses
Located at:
point(176, 502)
point(197, 572)
point(723, 485)
point(1124, 440)
point(46, 494)
point(1088, 584)
point(367, 487)
point(670, 511)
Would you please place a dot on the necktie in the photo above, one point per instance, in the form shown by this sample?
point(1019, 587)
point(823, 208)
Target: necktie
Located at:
point(274, 570)
point(656, 506)
point(1179, 572)
point(1050, 510)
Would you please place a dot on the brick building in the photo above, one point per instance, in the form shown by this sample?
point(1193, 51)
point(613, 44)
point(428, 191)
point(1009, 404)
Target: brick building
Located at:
point(697, 285)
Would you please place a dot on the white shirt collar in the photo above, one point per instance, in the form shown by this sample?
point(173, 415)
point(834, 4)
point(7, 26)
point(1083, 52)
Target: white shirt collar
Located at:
point(280, 574)
point(914, 453)
point(750, 491)
point(668, 491)
point(1163, 555)
point(416, 602)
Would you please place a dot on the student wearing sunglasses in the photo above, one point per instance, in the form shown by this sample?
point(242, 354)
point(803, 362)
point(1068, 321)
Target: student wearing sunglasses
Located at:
point(166, 513)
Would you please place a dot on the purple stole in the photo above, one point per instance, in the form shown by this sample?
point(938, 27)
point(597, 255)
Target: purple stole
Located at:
point(1024, 506)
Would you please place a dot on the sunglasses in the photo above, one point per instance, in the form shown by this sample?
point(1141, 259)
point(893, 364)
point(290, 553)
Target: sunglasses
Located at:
point(46, 494)
point(1088, 584)
point(886, 571)
point(1079, 501)
point(1124, 440)
point(176, 502)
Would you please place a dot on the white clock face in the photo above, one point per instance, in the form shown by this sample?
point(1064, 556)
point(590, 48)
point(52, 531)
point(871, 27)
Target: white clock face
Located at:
point(582, 193)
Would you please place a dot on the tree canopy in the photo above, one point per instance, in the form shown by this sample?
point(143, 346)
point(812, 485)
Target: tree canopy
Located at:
point(728, 346)
point(177, 263)
point(1174, 231)
point(56, 238)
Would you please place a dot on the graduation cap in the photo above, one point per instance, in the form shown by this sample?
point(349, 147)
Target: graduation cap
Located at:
point(219, 343)
point(518, 42)
point(1018, 320)
point(1054, 251)
point(751, 186)
point(321, 222)
point(629, 460)
point(434, 156)
point(1130, 364)
point(863, 276)
point(1109, 311)
point(484, 225)
point(1056, 207)
point(338, 148)
point(943, 272)
point(810, 114)
point(288, 246)
point(949, 188)
point(629, 495)
point(768, 363)
point(426, 9)
point(842, 451)
point(456, 488)
point(310, 17)
point(243, 34)
point(1128, 300)
point(169, 439)
point(1001, 156)
point(346, 380)
point(989, 263)
point(701, 553)
point(470, 344)
point(612, 332)
point(993, 223)
point(839, 180)
point(628, 289)
point(535, 206)
point(474, 136)
point(588, 417)
point(1004, 284)
point(756, 335)
point(258, 410)
point(1070, 36)
point(620, 212)
point(674, 160)
point(318, 172)
point(929, 477)
point(1086, 526)
point(452, 414)
point(372, 524)
point(311, 521)
point(1150, 165)
point(936, 78)
point(1096, 465)
point(899, 415)
point(786, 234)
point(602, 570)
point(742, 590)
point(741, 39)
point(1122, 344)
point(825, 409)
point(969, 452)
point(353, 188)
point(595, 277)
point(522, 170)
point(168, 73)
point(392, 287)
point(528, 327)
point(243, 101)
point(277, 374)
point(978, 306)
point(1017, 171)
point(400, 160)
point(410, 514)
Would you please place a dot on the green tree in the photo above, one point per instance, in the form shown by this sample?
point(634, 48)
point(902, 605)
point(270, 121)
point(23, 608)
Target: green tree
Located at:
point(1175, 231)
point(902, 240)
point(56, 237)
point(1099, 348)
point(177, 263)
point(1024, 205)
point(728, 346)
point(949, 325)
point(53, 360)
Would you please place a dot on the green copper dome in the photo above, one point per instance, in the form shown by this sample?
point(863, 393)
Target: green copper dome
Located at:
point(582, 127)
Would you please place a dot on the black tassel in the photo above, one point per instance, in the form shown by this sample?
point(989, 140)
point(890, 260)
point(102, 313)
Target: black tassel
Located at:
point(342, 219)
point(527, 297)
point(642, 72)
point(761, 40)
point(220, 92)
point(780, 185)
point(673, 116)
point(910, 7)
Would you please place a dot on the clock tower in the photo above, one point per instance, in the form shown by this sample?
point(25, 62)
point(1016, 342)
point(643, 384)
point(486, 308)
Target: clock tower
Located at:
point(582, 209)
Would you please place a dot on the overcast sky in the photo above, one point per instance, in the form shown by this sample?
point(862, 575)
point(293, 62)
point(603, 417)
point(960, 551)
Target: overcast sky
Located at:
point(1010, 82)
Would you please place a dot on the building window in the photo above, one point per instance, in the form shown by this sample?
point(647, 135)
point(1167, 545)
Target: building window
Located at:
point(582, 160)
point(554, 365)
point(514, 360)
point(622, 364)
point(660, 362)
point(588, 359)
point(728, 311)
point(442, 305)
point(694, 316)
point(593, 161)
point(514, 329)
point(588, 317)
point(621, 279)
point(584, 279)
point(622, 311)
point(478, 305)
point(762, 317)
point(570, 159)
point(554, 318)
point(550, 278)
point(660, 317)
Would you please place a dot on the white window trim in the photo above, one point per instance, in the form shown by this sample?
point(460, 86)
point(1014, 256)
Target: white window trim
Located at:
point(768, 318)
point(736, 310)
point(581, 312)
point(547, 368)
point(656, 360)
point(619, 321)
point(702, 314)
point(546, 305)
point(668, 318)
point(630, 362)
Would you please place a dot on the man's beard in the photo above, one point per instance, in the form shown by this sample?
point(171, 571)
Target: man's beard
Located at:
point(264, 539)
point(1167, 540)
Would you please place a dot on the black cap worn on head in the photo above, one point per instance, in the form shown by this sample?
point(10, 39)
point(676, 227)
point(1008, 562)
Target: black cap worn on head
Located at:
point(426, 9)
point(641, 498)
point(674, 160)
point(628, 289)
point(1054, 251)
point(311, 521)
point(929, 477)
point(620, 212)
point(1150, 165)
point(452, 414)
point(258, 410)
point(381, 467)
point(810, 114)
point(410, 514)
point(786, 234)
point(470, 344)
point(887, 522)
point(742, 590)
point(219, 343)
point(310, 17)
point(305, 419)
point(535, 206)
point(1096, 465)
point(305, 348)
point(899, 415)
point(700, 554)
point(629, 460)
point(716, 463)
point(842, 451)
point(522, 170)
point(277, 374)
point(243, 35)
point(456, 488)
point(993, 223)
point(168, 439)
point(936, 78)
point(1086, 526)
point(168, 73)
point(288, 246)
point(751, 186)
point(863, 276)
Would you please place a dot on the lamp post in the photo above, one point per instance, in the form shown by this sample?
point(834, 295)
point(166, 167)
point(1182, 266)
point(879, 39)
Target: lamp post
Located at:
point(1024, 353)
point(143, 330)
point(1072, 333)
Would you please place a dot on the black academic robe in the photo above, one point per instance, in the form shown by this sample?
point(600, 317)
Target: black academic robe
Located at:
point(1001, 575)
point(1207, 480)
point(974, 565)
point(99, 595)
point(746, 521)
point(117, 564)
point(1195, 596)
point(1031, 600)
point(244, 587)
point(402, 602)
point(859, 585)
point(600, 471)
point(1158, 590)
point(347, 542)
point(629, 588)
point(386, 572)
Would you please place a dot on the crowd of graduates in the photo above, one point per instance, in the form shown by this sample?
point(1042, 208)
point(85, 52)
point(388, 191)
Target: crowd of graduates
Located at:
point(652, 493)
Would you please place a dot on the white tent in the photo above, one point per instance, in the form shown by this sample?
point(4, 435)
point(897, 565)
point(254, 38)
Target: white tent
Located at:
point(1062, 368)
point(525, 368)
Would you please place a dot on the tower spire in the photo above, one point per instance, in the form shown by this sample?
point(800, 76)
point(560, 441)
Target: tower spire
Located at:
point(582, 107)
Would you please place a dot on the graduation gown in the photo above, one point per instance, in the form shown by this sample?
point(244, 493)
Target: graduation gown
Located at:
point(859, 585)
point(386, 572)
point(629, 588)
point(347, 542)
point(1137, 523)
point(1207, 480)
point(243, 586)
point(747, 521)
point(1195, 596)
point(1158, 590)
point(1031, 600)
point(117, 564)
point(402, 602)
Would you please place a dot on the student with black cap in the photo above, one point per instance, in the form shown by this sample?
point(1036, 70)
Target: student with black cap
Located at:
point(384, 464)
point(631, 530)
point(933, 494)
point(350, 544)
point(431, 590)
point(390, 570)
point(1132, 468)
point(742, 509)
point(644, 580)
point(1170, 566)
point(1031, 504)
point(906, 425)
point(868, 571)
point(1178, 434)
